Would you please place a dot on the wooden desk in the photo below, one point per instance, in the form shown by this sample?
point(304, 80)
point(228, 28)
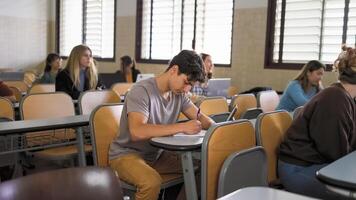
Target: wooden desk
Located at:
point(341, 174)
point(25, 126)
point(265, 193)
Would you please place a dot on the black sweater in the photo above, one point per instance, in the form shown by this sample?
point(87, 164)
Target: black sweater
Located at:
point(65, 84)
point(324, 131)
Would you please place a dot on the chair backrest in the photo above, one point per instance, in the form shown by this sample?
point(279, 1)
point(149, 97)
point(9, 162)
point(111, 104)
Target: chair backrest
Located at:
point(219, 142)
point(213, 105)
point(297, 111)
point(243, 169)
point(121, 88)
point(270, 130)
point(22, 86)
point(16, 92)
point(251, 113)
point(267, 100)
point(232, 90)
point(89, 183)
point(89, 100)
point(42, 88)
point(46, 105)
point(244, 102)
point(6, 108)
point(223, 117)
point(104, 126)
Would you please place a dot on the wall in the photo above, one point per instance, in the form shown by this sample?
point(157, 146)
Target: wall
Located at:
point(26, 33)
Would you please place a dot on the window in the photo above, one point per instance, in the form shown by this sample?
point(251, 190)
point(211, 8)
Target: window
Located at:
point(303, 30)
point(165, 27)
point(90, 22)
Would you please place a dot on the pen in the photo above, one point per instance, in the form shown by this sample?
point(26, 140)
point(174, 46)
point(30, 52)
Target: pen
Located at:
point(198, 113)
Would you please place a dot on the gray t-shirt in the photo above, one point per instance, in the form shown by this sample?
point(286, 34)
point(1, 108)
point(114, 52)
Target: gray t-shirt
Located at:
point(144, 97)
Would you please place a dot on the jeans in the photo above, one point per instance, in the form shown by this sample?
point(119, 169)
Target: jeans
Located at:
point(302, 180)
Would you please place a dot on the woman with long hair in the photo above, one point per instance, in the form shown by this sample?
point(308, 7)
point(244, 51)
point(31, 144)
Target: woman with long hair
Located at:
point(303, 87)
point(201, 89)
point(128, 72)
point(53, 64)
point(80, 73)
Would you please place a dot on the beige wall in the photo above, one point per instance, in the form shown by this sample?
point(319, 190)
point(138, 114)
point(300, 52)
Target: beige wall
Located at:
point(26, 33)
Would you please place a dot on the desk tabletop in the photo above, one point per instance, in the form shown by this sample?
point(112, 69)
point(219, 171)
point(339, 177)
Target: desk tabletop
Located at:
point(178, 143)
point(24, 126)
point(340, 173)
point(257, 193)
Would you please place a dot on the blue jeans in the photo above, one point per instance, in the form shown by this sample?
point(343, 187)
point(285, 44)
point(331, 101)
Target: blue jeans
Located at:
point(302, 180)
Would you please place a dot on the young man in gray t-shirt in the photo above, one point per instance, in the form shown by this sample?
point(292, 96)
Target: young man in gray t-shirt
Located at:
point(151, 110)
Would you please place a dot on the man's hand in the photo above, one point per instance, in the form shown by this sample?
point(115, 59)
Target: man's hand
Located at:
point(192, 127)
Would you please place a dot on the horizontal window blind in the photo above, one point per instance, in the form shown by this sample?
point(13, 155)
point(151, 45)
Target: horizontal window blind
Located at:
point(99, 27)
point(178, 24)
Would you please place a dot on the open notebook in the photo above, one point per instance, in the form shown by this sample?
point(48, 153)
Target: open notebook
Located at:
point(200, 134)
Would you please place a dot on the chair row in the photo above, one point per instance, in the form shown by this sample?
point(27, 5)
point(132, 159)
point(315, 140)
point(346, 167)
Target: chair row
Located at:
point(221, 141)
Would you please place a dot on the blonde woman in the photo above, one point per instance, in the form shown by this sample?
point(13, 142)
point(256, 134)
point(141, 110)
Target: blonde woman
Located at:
point(80, 73)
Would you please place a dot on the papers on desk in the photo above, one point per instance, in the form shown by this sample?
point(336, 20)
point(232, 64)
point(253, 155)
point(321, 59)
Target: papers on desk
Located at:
point(200, 134)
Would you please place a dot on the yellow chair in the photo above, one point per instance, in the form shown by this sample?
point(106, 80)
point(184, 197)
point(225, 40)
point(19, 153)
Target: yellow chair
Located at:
point(267, 100)
point(6, 108)
point(89, 100)
point(270, 130)
point(105, 127)
point(232, 90)
point(220, 141)
point(243, 102)
point(121, 88)
point(17, 93)
point(42, 88)
point(50, 105)
point(22, 86)
point(213, 105)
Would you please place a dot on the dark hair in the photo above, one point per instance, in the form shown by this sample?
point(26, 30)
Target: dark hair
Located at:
point(50, 58)
point(310, 66)
point(126, 61)
point(190, 64)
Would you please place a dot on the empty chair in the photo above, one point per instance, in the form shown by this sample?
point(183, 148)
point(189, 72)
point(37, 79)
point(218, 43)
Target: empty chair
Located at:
point(121, 88)
point(50, 105)
point(297, 111)
point(42, 88)
point(89, 100)
point(6, 109)
point(220, 141)
point(244, 102)
point(105, 126)
point(232, 90)
point(223, 117)
point(243, 169)
point(251, 113)
point(270, 130)
point(267, 100)
point(213, 105)
point(89, 183)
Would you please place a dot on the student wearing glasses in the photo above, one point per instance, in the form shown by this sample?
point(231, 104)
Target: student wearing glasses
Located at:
point(80, 73)
point(151, 109)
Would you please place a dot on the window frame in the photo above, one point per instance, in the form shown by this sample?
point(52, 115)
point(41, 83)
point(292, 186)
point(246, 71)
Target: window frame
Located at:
point(57, 31)
point(139, 9)
point(269, 63)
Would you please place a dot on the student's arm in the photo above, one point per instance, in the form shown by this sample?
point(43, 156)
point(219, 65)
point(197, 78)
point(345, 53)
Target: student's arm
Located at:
point(297, 94)
point(141, 130)
point(191, 113)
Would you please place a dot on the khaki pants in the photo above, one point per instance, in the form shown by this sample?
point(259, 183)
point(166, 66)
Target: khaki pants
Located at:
point(134, 170)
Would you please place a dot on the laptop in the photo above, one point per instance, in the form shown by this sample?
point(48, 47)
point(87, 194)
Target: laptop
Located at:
point(109, 79)
point(12, 76)
point(141, 77)
point(218, 87)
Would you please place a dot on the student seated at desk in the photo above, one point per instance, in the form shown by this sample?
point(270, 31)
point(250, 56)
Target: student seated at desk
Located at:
point(303, 87)
point(151, 109)
point(53, 64)
point(80, 73)
point(323, 132)
point(200, 89)
point(128, 71)
point(6, 92)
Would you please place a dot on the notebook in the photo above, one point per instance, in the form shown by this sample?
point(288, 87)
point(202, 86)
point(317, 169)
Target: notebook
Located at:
point(218, 87)
point(141, 77)
point(200, 134)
